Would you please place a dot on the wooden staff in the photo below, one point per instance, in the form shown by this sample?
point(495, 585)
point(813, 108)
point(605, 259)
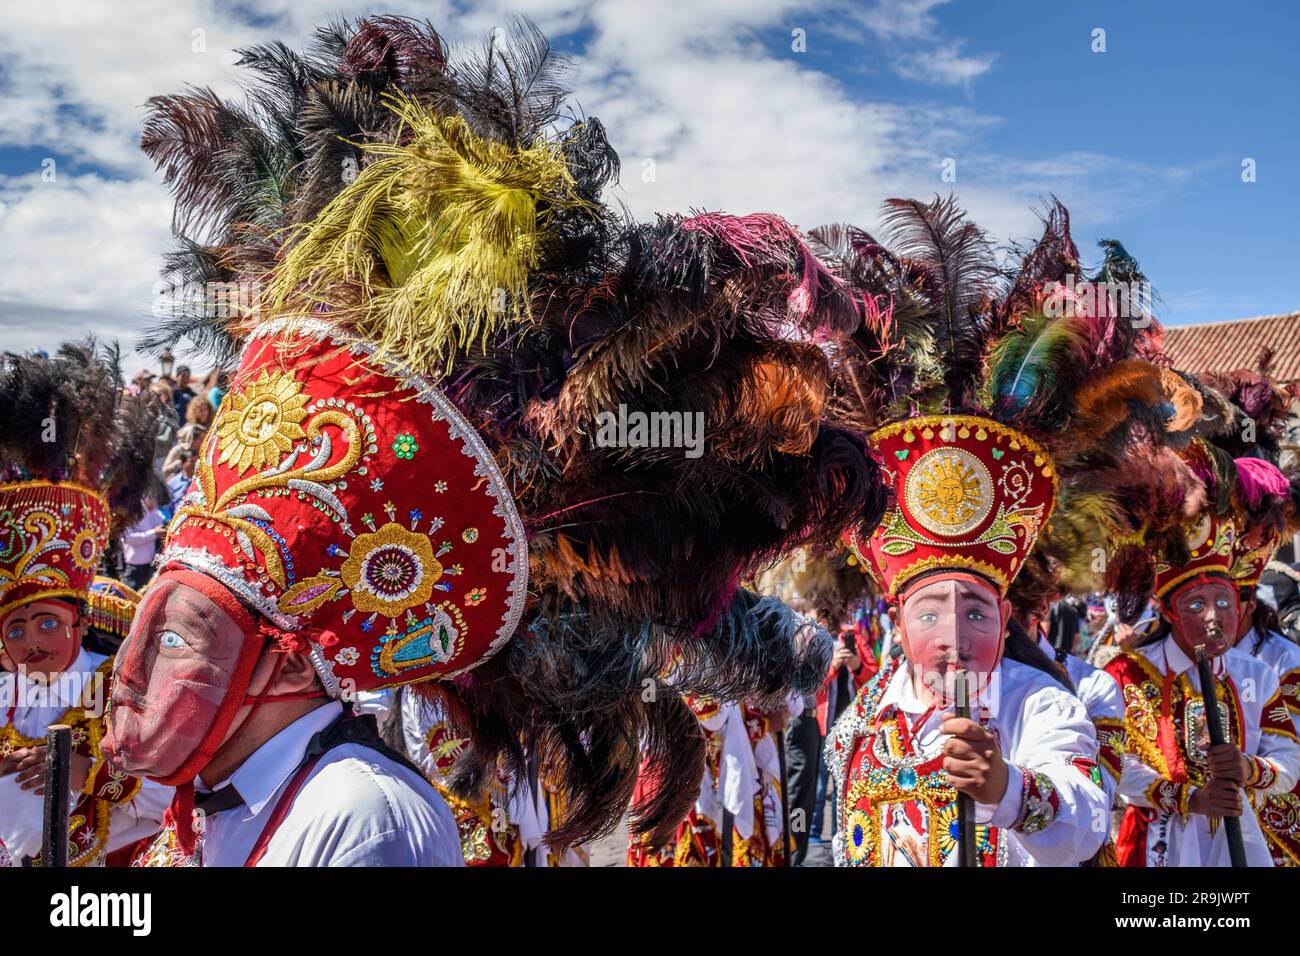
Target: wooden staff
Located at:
point(785, 802)
point(965, 806)
point(725, 844)
point(58, 768)
point(1209, 690)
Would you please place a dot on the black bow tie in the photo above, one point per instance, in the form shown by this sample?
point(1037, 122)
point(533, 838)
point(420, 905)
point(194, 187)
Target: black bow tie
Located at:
point(227, 798)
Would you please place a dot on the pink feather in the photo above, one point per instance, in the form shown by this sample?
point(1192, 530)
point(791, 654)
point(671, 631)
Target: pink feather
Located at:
point(1257, 478)
point(765, 235)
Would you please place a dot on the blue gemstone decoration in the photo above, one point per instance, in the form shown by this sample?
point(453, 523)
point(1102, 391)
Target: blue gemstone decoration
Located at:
point(953, 829)
point(858, 835)
point(907, 778)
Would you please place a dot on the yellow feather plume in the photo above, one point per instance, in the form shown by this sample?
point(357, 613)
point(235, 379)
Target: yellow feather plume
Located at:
point(1082, 531)
point(430, 248)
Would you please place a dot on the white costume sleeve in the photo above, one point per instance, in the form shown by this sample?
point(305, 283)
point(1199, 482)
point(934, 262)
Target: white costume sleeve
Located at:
point(1136, 783)
point(140, 816)
point(1059, 815)
point(739, 772)
point(418, 715)
point(1102, 697)
point(1276, 745)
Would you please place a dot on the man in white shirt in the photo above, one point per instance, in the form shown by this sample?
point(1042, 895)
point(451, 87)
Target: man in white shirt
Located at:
point(1178, 786)
point(59, 501)
point(356, 807)
point(270, 788)
point(1028, 760)
point(901, 756)
point(40, 687)
point(1254, 547)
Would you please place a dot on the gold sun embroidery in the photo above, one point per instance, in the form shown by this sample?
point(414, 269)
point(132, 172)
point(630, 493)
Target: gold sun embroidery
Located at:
point(261, 422)
point(949, 491)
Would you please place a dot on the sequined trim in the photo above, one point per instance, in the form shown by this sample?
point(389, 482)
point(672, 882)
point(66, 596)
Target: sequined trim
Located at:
point(1039, 803)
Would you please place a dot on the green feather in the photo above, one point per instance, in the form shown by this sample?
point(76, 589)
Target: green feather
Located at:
point(1028, 368)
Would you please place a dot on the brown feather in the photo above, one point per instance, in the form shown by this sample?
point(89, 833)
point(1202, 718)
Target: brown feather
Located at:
point(1186, 400)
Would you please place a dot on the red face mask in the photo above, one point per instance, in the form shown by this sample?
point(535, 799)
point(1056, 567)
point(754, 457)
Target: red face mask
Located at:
point(952, 621)
point(1205, 610)
point(180, 678)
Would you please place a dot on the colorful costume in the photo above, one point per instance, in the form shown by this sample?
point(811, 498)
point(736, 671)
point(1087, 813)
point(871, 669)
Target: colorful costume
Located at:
point(698, 840)
point(741, 773)
point(1261, 525)
point(1164, 705)
point(495, 829)
point(62, 495)
point(999, 396)
point(767, 842)
point(1104, 702)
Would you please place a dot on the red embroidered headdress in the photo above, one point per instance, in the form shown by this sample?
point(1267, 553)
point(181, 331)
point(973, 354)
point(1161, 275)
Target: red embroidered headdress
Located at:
point(1264, 498)
point(52, 535)
point(350, 502)
point(968, 493)
point(1210, 551)
point(439, 238)
point(1232, 533)
point(74, 462)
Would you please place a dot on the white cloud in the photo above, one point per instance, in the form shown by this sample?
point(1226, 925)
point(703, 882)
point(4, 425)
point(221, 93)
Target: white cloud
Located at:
point(709, 92)
point(900, 19)
point(944, 64)
point(79, 246)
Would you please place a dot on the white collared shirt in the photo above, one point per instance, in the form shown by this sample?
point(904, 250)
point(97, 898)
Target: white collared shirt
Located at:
point(902, 694)
point(1041, 729)
point(357, 807)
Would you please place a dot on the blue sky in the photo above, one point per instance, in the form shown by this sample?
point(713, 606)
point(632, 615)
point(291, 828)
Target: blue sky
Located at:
point(1143, 142)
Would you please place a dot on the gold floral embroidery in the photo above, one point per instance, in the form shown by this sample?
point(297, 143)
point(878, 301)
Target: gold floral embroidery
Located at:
point(251, 523)
point(390, 570)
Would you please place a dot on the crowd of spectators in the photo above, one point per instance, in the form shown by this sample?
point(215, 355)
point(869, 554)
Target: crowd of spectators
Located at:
point(186, 407)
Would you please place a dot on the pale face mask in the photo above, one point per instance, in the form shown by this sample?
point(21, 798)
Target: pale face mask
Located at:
point(952, 622)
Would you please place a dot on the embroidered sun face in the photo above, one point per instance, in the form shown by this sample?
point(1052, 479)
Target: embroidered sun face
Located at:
point(949, 491)
point(390, 570)
point(262, 422)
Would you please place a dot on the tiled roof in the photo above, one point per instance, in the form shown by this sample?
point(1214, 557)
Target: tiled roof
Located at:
point(1228, 346)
